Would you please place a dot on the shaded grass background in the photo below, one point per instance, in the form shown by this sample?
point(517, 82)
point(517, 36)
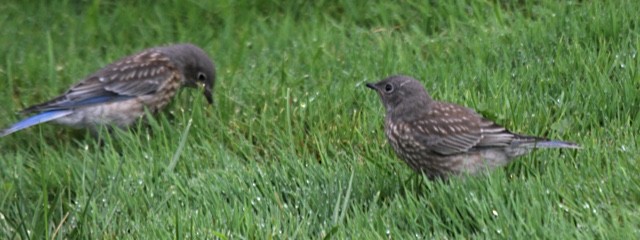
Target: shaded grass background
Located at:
point(294, 147)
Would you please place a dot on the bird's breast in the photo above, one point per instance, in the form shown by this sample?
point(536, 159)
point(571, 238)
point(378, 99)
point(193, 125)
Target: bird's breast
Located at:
point(158, 100)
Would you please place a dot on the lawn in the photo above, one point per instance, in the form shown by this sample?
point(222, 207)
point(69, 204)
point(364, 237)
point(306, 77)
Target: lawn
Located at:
point(294, 147)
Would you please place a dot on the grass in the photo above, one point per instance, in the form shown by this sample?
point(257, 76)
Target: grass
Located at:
point(294, 147)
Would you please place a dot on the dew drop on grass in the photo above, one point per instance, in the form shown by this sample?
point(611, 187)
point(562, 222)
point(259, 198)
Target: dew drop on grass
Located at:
point(73, 222)
point(580, 226)
point(563, 207)
point(622, 65)
point(313, 97)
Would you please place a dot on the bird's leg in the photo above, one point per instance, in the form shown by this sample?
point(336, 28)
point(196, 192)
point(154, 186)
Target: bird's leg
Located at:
point(103, 134)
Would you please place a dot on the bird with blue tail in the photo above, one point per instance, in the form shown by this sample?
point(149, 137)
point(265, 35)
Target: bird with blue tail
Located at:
point(442, 139)
point(120, 93)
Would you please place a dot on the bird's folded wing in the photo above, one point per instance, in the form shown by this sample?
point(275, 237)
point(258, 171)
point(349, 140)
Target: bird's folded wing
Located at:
point(450, 129)
point(494, 135)
point(443, 141)
point(130, 77)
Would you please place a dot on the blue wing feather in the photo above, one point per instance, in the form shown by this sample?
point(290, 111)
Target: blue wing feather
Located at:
point(91, 101)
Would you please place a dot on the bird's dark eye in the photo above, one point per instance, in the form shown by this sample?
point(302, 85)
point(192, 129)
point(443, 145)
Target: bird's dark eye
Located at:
point(388, 88)
point(202, 77)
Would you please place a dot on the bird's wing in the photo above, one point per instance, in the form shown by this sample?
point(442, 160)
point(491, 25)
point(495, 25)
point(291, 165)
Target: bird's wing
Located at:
point(132, 76)
point(450, 129)
point(494, 135)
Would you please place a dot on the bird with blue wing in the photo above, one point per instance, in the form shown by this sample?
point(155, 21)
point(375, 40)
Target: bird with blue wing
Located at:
point(118, 94)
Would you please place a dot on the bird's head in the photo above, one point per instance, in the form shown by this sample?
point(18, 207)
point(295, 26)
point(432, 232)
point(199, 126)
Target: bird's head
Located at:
point(197, 67)
point(400, 91)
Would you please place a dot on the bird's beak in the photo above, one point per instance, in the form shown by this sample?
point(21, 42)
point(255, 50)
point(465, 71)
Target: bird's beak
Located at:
point(208, 93)
point(372, 86)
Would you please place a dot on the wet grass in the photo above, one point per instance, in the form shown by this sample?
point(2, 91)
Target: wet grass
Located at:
point(294, 147)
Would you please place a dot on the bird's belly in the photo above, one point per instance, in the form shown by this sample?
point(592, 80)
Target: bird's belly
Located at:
point(120, 114)
point(433, 164)
point(475, 162)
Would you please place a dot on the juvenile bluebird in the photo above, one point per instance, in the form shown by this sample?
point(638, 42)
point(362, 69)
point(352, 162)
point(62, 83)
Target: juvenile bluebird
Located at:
point(442, 139)
point(117, 95)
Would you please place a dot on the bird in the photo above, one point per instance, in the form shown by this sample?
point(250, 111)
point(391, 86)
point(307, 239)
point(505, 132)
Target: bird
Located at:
point(442, 140)
point(118, 94)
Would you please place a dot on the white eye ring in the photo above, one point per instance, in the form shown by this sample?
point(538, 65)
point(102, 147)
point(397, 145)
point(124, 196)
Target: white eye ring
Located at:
point(202, 77)
point(388, 88)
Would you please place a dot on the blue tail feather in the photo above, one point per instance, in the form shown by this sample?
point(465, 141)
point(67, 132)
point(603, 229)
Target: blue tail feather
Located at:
point(550, 144)
point(35, 120)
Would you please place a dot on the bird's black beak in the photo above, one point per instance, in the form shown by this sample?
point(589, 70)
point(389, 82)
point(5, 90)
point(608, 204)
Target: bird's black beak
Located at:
point(372, 86)
point(208, 93)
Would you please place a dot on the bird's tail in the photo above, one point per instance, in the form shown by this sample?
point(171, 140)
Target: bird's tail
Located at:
point(35, 120)
point(555, 144)
point(536, 142)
